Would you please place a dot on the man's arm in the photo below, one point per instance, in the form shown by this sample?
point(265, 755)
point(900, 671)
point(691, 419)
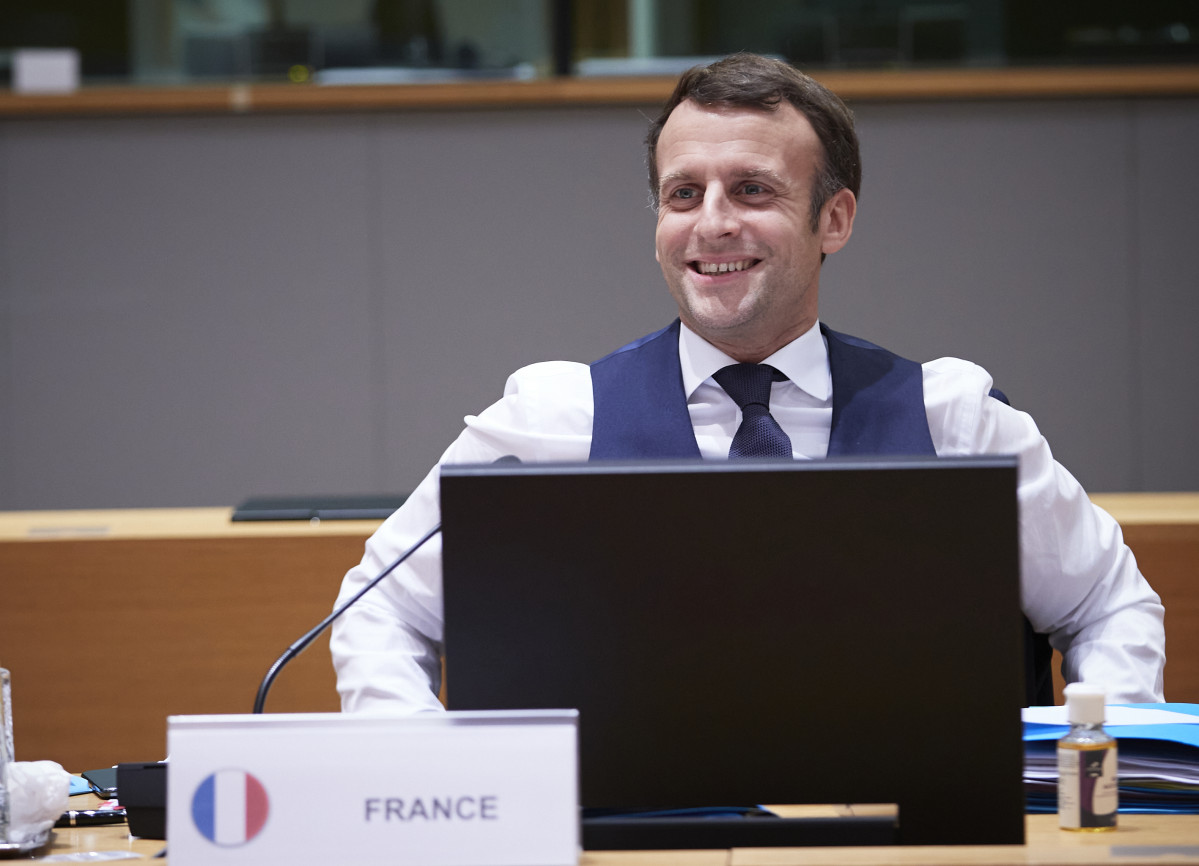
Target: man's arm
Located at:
point(1083, 588)
point(1079, 581)
point(387, 648)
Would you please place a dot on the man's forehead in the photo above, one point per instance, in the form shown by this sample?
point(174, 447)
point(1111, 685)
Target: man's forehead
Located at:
point(737, 141)
point(692, 126)
point(720, 113)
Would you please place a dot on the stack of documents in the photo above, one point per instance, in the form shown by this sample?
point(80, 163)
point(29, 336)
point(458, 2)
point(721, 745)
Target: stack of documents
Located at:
point(1158, 756)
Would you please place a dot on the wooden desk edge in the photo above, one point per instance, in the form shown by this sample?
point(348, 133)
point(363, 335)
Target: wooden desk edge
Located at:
point(1045, 845)
point(162, 523)
point(1129, 509)
point(1145, 509)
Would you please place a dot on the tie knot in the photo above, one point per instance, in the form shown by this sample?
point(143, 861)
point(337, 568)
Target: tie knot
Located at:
point(748, 384)
point(759, 434)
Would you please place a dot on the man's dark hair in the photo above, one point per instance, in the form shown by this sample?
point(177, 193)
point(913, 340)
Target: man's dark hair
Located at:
point(753, 81)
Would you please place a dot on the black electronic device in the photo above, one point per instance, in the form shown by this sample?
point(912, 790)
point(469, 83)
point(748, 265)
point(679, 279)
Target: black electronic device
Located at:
point(103, 781)
point(142, 788)
point(348, 507)
point(740, 633)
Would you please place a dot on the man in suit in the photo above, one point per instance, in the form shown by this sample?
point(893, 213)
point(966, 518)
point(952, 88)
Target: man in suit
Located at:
point(755, 173)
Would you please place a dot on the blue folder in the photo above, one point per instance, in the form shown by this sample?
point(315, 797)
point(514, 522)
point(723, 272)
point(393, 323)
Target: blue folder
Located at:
point(1158, 769)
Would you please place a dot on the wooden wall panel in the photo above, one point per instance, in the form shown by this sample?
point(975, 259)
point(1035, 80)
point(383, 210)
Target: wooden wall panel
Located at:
point(106, 638)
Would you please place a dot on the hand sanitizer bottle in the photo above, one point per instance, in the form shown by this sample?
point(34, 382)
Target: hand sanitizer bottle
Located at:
point(1087, 796)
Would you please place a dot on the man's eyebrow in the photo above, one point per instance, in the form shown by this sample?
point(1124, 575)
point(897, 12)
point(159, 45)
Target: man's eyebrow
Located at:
point(672, 177)
point(741, 174)
point(773, 176)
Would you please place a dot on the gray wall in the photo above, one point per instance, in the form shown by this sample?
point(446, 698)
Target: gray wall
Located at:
point(193, 310)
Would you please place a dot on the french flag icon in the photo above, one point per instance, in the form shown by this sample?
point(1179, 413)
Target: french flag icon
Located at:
point(230, 807)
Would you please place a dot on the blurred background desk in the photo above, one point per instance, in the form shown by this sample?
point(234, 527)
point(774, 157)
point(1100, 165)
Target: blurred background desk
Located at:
point(112, 620)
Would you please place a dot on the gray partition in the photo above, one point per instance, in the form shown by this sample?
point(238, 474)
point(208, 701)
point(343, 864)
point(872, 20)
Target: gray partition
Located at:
point(196, 309)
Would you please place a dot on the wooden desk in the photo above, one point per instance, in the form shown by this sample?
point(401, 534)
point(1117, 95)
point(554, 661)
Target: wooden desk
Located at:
point(112, 620)
point(1140, 839)
point(1160, 840)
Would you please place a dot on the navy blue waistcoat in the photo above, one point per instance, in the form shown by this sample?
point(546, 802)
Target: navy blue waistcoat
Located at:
point(641, 408)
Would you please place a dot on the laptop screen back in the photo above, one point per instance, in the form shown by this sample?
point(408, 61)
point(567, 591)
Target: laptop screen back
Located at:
point(840, 631)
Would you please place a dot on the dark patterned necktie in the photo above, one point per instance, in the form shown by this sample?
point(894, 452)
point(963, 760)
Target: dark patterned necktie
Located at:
point(759, 434)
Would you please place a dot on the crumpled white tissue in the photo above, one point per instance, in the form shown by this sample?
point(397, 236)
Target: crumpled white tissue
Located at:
point(38, 793)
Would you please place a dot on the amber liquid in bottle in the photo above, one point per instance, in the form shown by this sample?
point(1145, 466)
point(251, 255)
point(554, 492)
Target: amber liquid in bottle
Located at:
point(1087, 789)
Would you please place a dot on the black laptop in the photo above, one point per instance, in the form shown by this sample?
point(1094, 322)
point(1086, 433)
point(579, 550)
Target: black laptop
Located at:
point(745, 633)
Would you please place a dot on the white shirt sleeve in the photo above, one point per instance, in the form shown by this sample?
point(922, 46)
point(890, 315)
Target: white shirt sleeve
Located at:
point(387, 648)
point(1080, 582)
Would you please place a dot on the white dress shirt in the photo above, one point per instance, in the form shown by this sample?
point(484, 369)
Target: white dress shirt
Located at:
point(1080, 583)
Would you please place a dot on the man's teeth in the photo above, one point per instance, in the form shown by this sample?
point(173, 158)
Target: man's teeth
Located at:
point(723, 267)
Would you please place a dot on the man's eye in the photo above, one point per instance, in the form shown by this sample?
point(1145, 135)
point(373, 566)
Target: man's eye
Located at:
point(753, 189)
point(684, 193)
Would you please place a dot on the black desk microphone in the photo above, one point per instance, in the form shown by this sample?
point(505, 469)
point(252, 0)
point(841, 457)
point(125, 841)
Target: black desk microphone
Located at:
point(299, 646)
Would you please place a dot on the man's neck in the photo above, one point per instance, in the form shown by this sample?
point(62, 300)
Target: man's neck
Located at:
point(750, 351)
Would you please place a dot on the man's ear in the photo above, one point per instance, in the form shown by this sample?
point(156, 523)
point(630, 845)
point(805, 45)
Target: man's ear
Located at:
point(837, 220)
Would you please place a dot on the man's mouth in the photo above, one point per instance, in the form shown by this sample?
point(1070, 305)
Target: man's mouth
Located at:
point(716, 268)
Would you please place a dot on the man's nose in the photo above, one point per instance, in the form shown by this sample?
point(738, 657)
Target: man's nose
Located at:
point(718, 215)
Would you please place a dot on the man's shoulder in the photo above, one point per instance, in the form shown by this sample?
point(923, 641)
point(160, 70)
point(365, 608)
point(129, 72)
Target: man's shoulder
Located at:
point(957, 374)
point(965, 416)
point(543, 375)
point(850, 340)
point(545, 414)
point(670, 334)
point(947, 372)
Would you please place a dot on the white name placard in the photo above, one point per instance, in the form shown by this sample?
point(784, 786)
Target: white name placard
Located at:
point(482, 788)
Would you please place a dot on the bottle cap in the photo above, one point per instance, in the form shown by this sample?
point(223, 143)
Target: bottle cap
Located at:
point(1084, 704)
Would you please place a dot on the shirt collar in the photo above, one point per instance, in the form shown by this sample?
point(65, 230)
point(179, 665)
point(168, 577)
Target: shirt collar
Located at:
point(804, 361)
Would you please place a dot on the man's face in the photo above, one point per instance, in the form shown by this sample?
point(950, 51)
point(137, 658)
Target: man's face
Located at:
point(734, 237)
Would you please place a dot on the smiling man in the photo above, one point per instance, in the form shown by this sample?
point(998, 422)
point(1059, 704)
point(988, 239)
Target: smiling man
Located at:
point(755, 173)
